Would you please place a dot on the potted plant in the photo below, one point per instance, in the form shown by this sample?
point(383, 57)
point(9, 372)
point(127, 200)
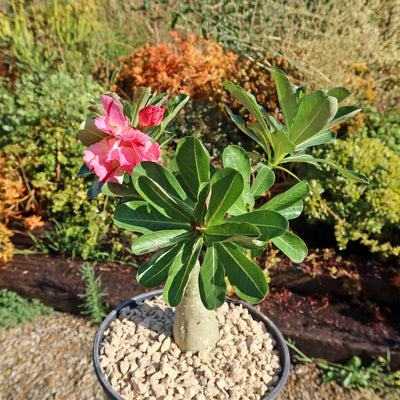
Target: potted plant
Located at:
point(203, 230)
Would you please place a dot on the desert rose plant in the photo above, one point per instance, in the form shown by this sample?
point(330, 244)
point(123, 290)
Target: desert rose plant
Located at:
point(200, 223)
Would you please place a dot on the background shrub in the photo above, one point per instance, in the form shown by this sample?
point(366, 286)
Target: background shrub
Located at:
point(366, 214)
point(38, 132)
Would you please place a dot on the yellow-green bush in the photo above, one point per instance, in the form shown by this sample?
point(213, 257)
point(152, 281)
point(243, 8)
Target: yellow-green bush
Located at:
point(368, 214)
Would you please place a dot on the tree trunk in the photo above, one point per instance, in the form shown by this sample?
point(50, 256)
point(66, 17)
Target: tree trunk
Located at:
point(195, 328)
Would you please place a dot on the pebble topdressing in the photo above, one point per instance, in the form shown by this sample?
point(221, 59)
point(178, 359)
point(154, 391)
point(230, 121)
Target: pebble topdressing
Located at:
point(141, 361)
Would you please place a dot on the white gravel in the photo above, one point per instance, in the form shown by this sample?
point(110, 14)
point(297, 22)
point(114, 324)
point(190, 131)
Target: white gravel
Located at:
point(141, 361)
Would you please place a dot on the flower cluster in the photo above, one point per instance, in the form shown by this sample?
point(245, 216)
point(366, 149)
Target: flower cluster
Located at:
point(124, 146)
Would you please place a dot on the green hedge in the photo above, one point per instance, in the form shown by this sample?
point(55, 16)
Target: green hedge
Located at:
point(368, 214)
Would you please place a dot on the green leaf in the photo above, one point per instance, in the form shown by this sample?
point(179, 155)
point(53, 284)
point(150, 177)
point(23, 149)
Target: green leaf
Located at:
point(355, 362)
point(287, 97)
point(342, 114)
point(139, 101)
point(301, 92)
point(251, 105)
point(274, 124)
point(88, 133)
point(212, 284)
point(256, 128)
point(240, 206)
point(282, 144)
point(179, 274)
point(95, 189)
point(306, 158)
point(246, 277)
point(226, 187)
point(287, 199)
point(160, 199)
point(293, 211)
point(265, 178)
point(155, 270)
point(309, 159)
point(354, 176)
point(160, 175)
point(291, 245)
point(193, 162)
point(315, 112)
point(322, 138)
point(236, 157)
point(160, 239)
point(84, 170)
point(200, 208)
point(269, 223)
point(117, 190)
point(348, 380)
point(340, 93)
point(241, 125)
point(128, 110)
point(139, 216)
point(231, 232)
point(159, 100)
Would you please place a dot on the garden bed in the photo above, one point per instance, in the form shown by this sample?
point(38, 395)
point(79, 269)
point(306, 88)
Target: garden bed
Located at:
point(323, 324)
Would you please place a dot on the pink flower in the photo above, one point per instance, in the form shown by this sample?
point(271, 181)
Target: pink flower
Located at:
point(126, 146)
point(151, 115)
point(96, 157)
point(111, 157)
point(115, 123)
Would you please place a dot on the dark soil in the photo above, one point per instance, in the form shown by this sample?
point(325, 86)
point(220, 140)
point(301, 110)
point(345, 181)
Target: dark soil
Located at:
point(333, 307)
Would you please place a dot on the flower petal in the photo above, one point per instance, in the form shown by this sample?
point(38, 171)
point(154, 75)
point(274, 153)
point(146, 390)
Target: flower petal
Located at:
point(113, 112)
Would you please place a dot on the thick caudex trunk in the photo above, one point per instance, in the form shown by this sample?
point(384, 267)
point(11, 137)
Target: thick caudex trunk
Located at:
point(195, 328)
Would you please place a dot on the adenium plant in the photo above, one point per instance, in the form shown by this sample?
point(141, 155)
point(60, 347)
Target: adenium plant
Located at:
point(200, 223)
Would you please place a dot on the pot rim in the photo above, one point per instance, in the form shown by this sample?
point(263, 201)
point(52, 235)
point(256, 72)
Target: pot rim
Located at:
point(280, 345)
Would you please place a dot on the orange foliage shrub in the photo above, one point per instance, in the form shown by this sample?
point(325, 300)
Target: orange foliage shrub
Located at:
point(11, 193)
point(198, 67)
point(192, 65)
point(12, 198)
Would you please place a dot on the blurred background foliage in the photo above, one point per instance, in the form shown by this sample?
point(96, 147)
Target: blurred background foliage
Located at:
point(56, 55)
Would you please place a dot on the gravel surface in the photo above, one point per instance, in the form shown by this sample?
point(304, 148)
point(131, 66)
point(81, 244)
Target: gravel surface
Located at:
point(141, 361)
point(51, 359)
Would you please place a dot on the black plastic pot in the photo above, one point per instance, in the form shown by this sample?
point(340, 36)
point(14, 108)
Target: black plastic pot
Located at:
point(133, 302)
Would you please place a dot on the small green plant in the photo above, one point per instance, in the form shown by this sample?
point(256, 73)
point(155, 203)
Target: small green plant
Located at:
point(15, 310)
point(203, 223)
point(93, 297)
point(376, 376)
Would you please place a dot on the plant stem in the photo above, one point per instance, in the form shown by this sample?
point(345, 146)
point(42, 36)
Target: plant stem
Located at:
point(195, 328)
